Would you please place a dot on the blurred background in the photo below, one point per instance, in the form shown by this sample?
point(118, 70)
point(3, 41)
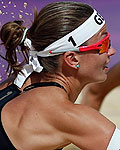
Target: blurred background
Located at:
point(23, 9)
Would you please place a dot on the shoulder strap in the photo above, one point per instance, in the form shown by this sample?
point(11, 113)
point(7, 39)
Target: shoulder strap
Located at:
point(43, 84)
point(8, 93)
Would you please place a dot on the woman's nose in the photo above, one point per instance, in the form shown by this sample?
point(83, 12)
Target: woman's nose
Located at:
point(111, 51)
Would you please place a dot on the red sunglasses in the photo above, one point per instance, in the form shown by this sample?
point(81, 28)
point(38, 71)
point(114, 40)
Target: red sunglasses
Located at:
point(102, 45)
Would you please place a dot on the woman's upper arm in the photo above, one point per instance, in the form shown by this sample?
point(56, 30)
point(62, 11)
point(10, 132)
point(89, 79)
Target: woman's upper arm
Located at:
point(88, 129)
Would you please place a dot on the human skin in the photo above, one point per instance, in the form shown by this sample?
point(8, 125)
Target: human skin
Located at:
point(93, 95)
point(47, 118)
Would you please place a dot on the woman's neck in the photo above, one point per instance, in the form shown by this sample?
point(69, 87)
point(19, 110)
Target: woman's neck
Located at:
point(71, 84)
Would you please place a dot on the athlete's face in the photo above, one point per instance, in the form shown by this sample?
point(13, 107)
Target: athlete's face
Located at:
point(93, 65)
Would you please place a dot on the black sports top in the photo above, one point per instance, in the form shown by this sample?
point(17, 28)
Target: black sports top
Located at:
point(8, 94)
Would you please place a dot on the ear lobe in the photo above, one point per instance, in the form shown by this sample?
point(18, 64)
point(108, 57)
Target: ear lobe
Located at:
point(71, 59)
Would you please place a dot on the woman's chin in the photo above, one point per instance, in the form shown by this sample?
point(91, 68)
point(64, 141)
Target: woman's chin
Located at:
point(101, 79)
point(104, 79)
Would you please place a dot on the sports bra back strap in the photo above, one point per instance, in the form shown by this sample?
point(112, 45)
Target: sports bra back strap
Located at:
point(43, 84)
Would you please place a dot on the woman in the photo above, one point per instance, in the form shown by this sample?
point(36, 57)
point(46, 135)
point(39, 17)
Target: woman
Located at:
point(93, 95)
point(67, 42)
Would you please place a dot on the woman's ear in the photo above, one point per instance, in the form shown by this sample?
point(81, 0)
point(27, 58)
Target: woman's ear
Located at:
point(71, 59)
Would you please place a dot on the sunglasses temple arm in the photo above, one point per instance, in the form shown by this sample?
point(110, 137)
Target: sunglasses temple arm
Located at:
point(62, 50)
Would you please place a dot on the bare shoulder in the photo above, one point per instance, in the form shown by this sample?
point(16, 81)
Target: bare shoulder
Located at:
point(59, 120)
point(86, 127)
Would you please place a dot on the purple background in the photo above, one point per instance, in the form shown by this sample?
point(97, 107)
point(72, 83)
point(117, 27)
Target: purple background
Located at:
point(23, 9)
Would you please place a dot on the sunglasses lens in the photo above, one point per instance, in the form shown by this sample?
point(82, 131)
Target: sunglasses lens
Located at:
point(105, 46)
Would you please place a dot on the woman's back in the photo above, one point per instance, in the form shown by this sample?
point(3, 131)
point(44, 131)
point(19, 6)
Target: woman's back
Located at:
point(34, 116)
point(44, 118)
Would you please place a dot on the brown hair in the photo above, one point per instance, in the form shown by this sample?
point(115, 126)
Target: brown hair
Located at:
point(53, 22)
point(11, 34)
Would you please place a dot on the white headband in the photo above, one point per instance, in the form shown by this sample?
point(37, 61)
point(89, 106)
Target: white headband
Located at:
point(75, 38)
point(69, 42)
